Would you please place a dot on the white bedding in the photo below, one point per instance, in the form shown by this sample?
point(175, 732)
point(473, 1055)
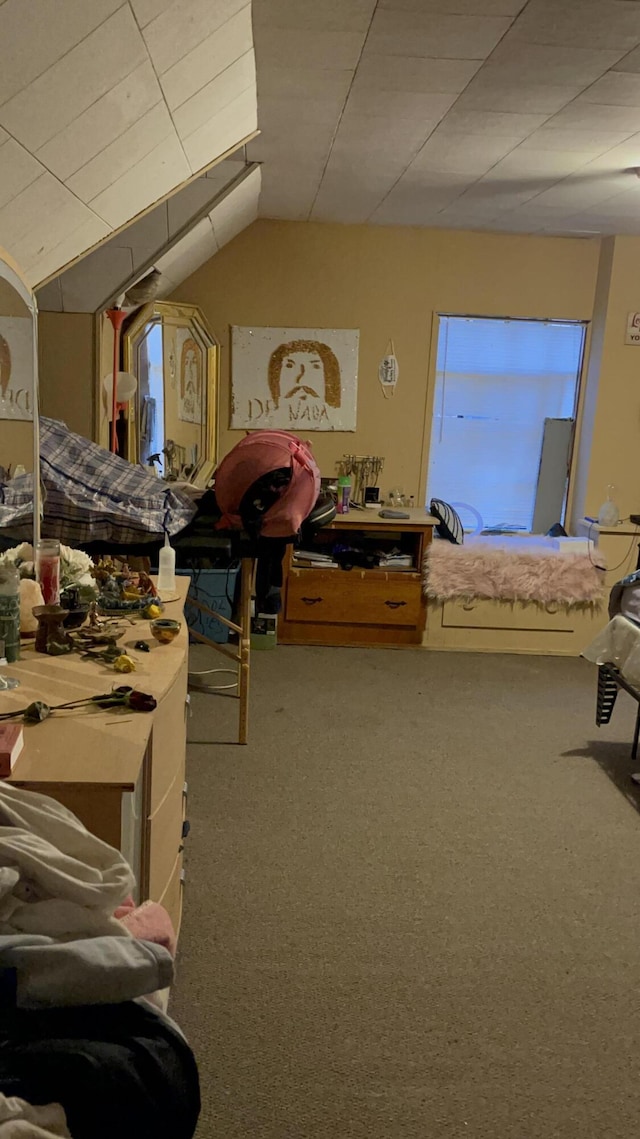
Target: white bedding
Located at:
point(618, 644)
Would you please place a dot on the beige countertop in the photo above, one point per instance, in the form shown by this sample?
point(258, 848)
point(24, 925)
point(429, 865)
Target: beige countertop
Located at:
point(371, 520)
point(105, 747)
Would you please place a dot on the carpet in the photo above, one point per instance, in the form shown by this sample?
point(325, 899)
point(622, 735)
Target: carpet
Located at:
point(412, 905)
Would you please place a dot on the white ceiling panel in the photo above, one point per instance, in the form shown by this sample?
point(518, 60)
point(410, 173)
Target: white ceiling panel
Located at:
point(223, 130)
point(146, 10)
point(400, 104)
point(190, 253)
point(304, 83)
point(84, 236)
point(238, 210)
point(278, 113)
point(514, 62)
point(590, 116)
point(102, 123)
point(18, 169)
point(492, 123)
point(311, 16)
point(407, 73)
point(579, 191)
point(194, 71)
point(487, 93)
point(128, 255)
point(542, 97)
point(447, 36)
point(83, 284)
point(630, 62)
point(616, 88)
point(31, 45)
point(128, 151)
point(88, 122)
point(612, 24)
point(50, 297)
point(457, 7)
point(336, 51)
point(29, 219)
point(462, 154)
point(624, 205)
point(72, 84)
point(585, 142)
point(197, 195)
point(216, 95)
point(146, 182)
point(183, 26)
point(298, 143)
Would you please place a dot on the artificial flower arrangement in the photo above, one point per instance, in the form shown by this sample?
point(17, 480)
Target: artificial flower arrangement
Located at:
point(75, 568)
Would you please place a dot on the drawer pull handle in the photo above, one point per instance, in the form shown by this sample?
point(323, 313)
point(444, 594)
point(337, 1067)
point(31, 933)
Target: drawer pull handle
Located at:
point(311, 600)
point(395, 604)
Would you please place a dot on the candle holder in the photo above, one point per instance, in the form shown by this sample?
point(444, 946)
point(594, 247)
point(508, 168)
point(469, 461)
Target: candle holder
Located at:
point(50, 634)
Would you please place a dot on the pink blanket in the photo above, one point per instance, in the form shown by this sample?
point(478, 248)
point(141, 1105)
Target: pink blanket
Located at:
point(148, 922)
point(512, 569)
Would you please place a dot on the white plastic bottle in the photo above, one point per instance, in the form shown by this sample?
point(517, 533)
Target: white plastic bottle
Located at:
point(167, 569)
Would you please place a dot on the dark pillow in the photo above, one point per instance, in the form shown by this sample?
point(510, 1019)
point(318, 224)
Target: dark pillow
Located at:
point(450, 526)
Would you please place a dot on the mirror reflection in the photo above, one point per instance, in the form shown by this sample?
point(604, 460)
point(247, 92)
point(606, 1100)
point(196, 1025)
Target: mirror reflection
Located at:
point(174, 357)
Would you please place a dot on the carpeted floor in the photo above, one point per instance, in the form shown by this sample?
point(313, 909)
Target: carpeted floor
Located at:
point(412, 905)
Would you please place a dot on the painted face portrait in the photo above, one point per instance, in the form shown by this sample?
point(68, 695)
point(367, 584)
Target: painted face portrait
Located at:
point(304, 370)
point(5, 366)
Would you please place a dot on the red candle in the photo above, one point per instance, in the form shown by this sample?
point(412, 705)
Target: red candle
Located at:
point(48, 570)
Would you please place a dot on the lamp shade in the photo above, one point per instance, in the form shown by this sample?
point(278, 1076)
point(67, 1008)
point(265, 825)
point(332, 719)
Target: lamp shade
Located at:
point(126, 387)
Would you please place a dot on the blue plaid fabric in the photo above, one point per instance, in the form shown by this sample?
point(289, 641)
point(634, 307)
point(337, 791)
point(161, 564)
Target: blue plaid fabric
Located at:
point(91, 495)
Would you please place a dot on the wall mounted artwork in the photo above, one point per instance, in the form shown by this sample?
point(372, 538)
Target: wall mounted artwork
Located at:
point(294, 379)
point(16, 367)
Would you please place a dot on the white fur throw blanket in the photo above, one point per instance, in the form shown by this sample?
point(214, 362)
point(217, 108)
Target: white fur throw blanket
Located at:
point(512, 569)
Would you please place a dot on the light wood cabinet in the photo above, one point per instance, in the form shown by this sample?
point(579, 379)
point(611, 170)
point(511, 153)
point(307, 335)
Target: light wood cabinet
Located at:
point(123, 775)
point(378, 606)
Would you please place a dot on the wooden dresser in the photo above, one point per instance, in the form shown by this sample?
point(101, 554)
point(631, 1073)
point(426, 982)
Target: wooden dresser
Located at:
point(378, 606)
point(122, 774)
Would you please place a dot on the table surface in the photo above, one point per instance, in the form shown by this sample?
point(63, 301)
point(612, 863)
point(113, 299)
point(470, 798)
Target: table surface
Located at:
point(102, 747)
point(370, 520)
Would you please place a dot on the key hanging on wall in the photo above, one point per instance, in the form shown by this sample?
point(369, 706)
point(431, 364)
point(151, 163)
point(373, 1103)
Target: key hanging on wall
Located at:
point(388, 371)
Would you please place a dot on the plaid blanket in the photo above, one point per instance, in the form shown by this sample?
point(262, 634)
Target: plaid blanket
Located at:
point(91, 495)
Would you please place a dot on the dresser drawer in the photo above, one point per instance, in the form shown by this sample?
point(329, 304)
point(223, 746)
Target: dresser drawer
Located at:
point(480, 614)
point(165, 837)
point(168, 740)
point(173, 894)
point(353, 597)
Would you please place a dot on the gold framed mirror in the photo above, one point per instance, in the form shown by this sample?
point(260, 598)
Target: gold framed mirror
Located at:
point(175, 358)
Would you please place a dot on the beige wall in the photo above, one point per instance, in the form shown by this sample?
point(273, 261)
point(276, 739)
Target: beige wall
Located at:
point(610, 434)
point(67, 368)
point(388, 282)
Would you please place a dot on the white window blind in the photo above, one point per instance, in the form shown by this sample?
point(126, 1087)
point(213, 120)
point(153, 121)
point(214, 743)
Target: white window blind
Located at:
point(496, 383)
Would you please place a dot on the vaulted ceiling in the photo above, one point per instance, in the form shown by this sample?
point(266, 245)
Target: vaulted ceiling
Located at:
point(493, 114)
point(107, 107)
point(512, 115)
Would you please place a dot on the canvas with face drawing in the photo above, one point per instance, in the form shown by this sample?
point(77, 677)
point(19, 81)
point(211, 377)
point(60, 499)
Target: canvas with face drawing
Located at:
point(16, 367)
point(295, 379)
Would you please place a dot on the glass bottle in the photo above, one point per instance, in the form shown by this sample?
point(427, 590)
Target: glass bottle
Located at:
point(10, 612)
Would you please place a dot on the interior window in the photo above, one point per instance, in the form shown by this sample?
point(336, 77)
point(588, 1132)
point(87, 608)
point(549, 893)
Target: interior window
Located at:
point(503, 417)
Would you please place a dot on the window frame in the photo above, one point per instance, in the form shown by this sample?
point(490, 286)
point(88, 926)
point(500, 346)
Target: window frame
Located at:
point(574, 453)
